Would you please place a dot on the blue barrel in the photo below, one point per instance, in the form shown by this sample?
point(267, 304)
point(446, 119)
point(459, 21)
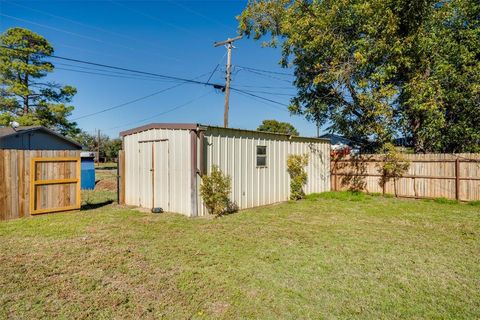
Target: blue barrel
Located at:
point(88, 170)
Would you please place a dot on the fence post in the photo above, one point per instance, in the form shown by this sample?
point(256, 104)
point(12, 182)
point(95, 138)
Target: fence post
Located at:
point(457, 179)
point(335, 175)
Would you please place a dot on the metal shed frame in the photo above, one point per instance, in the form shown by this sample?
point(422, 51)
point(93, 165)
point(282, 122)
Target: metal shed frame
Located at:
point(196, 150)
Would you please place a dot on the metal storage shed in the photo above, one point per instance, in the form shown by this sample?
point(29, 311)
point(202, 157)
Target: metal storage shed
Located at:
point(163, 164)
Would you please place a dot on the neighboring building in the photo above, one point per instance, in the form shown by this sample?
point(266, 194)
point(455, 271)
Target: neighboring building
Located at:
point(35, 138)
point(335, 139)
point(164, 164)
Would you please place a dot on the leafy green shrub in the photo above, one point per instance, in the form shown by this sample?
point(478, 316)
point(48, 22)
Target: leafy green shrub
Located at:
point(394, 166)
point(215, 190)
point(298, 176)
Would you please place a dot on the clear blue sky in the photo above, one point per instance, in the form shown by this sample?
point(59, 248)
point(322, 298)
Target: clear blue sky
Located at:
point(168, 37)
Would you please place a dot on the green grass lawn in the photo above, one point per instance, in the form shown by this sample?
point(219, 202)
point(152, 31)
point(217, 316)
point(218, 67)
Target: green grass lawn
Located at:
point(336, 255)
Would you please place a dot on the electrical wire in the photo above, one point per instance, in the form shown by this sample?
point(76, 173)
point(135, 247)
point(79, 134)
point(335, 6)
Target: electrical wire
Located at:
point(150, 16)
point(81, 23)
point(199, 14)
point(259, 97)
point(216, 67)
point(134, 100)
point(116, 76)
point(264, 102)
point(109, 72)
point(266, 71)
point(264, 75)
point(83, 36)
point(64, 31)
point(182, 80)
point(271, 93)
point(217, 86)
point(161, 113)
point(264, 87)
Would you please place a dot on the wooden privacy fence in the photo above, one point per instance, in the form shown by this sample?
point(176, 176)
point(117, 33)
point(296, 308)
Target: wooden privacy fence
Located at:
point(38, 181)
point(451, 176)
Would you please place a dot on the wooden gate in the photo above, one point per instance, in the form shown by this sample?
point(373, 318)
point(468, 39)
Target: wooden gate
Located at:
point(54, 184)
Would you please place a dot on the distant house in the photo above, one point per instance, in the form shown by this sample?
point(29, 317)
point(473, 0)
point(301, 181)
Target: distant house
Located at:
point(35, 138)
point(337, 140)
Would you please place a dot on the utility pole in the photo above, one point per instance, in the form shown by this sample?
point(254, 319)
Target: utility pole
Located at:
point(98, 146)
point(229, 45)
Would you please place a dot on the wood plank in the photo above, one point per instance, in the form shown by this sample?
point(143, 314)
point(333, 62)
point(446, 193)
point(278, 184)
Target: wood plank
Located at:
point(3, 188)
point(21, 184)
point(56, 181)
point(8, 184)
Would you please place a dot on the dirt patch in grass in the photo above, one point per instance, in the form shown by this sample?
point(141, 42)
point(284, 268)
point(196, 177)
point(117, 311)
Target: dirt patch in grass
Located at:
point(106, 185)
point(106, 180)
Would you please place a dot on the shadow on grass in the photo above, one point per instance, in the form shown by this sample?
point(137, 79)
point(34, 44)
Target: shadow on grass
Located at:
point(106, 168)
point(339, 195)
point(91, 206)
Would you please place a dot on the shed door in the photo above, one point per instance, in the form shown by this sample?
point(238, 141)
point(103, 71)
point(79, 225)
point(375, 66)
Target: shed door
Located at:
point(154, 184)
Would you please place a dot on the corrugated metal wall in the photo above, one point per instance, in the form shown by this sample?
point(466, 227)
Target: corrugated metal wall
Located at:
point(172, 174)
point(234, 151)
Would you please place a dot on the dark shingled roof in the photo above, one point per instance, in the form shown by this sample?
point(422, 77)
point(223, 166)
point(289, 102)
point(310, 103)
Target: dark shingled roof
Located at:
point(9, 131)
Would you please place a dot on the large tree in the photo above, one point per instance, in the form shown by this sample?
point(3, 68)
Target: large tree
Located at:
point(376, 69)
point(277, 127)
point(24, 94)
point(109, 148)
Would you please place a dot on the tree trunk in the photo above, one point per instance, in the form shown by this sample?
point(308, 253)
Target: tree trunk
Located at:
point(26, 107)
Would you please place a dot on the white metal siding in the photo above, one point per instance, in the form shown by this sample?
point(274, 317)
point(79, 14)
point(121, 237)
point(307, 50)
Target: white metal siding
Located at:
point(234, 152)
point(172, 170)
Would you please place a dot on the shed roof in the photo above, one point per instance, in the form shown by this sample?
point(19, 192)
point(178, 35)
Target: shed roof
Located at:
point(9, 131)
point(197, 126)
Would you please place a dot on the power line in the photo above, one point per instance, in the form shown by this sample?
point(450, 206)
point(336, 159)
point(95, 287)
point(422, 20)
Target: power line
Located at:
point(111, 75)
point(133, 101)
point(265, 87)
point(216, 67)
point(264, 75)
point(217, 86)
point(81, 23)
point(150, 16)
point(265, 71)
point(182, 80)
point(161, 113)
point(64, 31)
point(262, 101)
point(81, 35)
point(108, 72)
point(259, 97)
point(271, 93)
point(199, 14)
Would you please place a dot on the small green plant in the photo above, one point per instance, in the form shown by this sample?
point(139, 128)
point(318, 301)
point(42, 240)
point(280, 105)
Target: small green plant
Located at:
point(394, 166)
point(298, 176)
point(215, 190)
